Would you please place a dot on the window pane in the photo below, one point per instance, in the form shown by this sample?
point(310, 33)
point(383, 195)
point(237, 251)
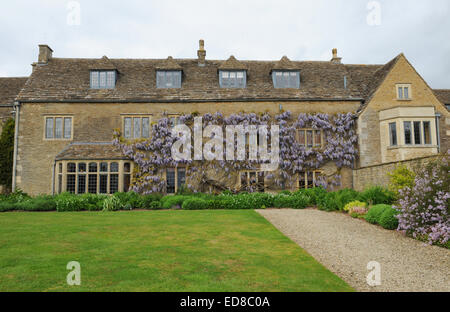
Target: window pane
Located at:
point(102, 83)
point(301, 137)
point(393, 134)
point(103, 167)
point(170, 180)
point(310, 179)
point(400, 92)
point(127, 127)
point(59, 183)
point(71, 167)
point(60, 168)
point(317, 138)
point(126, 167)
point(406, 92)
point(169, 80)
point(70, 186)
point(81, 184)
point(301, 180)
point(49, 128)
point(58, 127)
point(82, 167)
point(407, 127)
point(113, 183)
point(181, 177)
point(92, 183)
point(145, 127)
point(92, 167)
point(94, 79)
point(126, 182)
point(67, 127)
point(261, 181)
point(137, 128)
point(244, 181)
point(160, 81)
point(103, 184)
point(309, 138)
point(110, 79)
point(417, 136)
point(114, 167)
point(426, 132)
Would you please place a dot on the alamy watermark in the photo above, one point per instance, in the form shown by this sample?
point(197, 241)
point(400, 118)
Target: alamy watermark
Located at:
point(73, 13)
point(374, 276)
point(74, 276)
point(213, 149)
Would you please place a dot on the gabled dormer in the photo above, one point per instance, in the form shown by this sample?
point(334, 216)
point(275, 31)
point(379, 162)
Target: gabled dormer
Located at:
point(232, 74)
point(285, 74)
point(168, 74)
point(103, 74)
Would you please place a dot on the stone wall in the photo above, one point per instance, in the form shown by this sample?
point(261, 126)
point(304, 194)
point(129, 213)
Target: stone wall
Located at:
point(95, 122)
point(377, 174)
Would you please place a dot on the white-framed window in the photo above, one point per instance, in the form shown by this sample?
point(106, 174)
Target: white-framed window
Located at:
point(168, 79)
point(308, 179)
point(403, 91)
point(58, 128)
point(174, 119)
point(103, 79)
point(310, 138)
point(136, 127)
point(88, 176)
point(175, 178)
point(232, 78)
point(252, 178)
point(283, 79)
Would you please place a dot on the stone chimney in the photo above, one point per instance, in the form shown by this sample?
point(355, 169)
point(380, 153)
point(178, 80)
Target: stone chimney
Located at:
point(336, 59)
point(45, 54)
point(201, 53)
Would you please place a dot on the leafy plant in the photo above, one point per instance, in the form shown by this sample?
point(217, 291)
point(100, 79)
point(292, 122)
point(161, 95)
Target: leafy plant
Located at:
point(376, 195)
point(388, 219)
point(112, 203)
point(375, 212)
point(400, 178)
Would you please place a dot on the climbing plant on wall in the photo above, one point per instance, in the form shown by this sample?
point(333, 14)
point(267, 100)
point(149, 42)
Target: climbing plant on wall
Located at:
point(153, 155)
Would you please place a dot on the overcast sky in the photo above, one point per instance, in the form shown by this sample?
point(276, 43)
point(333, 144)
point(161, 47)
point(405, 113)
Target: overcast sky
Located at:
point(365, 32)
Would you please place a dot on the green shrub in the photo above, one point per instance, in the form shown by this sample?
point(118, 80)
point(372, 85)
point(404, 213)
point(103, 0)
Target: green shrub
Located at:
point(354, 204)
point(375, 212)
point(173, 201)
point(130, 200)
point(328, 202)
point(148, 200)
point(195, 204)
point(343, 197)
point(112, 203)
point(376, 195)
point(297, 201)
point(313, 194)
point(154, 205)
point(94, 202)
point(6, 206)
point(70, 202)
point(388, 219)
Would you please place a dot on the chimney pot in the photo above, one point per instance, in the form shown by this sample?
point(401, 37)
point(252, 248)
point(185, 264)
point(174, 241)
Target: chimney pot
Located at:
point(201, 53)
point(45, 53)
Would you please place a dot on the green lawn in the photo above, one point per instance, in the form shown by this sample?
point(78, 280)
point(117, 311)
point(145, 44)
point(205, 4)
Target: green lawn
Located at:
point(155, 251)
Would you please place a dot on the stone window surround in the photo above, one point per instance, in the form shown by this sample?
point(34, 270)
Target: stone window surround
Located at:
point(403, 85)
point(176, 177)
point(247, 172)
point(63, 175)
point(58, 116)
point(401, 133)
point(315, 172)
point(136, 115)
point(297, 138)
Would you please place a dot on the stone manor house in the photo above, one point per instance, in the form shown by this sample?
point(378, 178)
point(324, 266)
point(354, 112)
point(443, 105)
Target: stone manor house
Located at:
point(67, 109)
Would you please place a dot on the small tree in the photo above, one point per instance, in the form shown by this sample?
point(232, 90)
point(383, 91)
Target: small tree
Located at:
point(7, 153)
point(400, 178)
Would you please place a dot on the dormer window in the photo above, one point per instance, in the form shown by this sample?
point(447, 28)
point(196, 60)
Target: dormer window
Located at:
point(232, 78)
point(168, 79)
point(283, 79)
point(403, 92)
point(103, 79)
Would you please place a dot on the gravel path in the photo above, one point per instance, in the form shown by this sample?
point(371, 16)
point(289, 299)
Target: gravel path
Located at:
point(346, 245)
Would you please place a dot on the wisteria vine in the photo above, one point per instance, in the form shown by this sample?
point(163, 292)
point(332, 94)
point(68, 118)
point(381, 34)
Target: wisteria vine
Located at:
point(153, 155)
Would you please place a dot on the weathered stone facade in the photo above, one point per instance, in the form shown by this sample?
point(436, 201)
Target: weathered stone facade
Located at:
point(60, 87)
